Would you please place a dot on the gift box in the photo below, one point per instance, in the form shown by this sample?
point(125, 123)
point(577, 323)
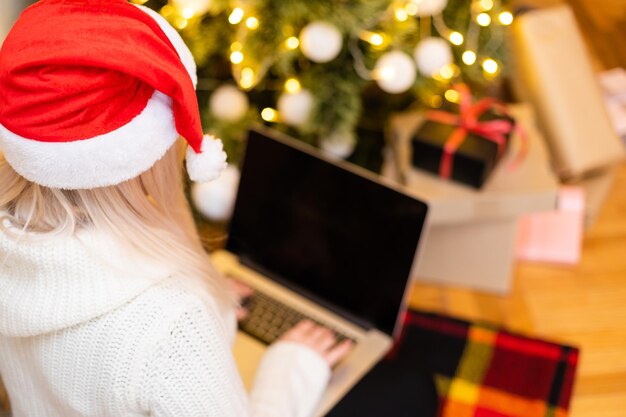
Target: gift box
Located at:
point(516, 186)
point(554, 237)
point(478, 255)
point(464, 144)
point(552, 70)
point(471, 237)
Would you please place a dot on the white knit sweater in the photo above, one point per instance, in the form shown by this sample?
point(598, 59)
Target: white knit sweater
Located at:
point(88, 331)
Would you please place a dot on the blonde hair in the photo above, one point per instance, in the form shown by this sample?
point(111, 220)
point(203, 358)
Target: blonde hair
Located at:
point(149, 214)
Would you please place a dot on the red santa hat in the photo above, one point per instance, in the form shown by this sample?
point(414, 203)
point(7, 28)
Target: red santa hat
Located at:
point(94, 92)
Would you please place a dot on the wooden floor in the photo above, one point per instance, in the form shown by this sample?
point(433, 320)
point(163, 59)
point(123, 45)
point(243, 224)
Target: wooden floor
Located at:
point(584, 306)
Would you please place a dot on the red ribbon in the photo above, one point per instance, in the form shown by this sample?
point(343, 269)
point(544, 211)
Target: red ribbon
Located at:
point(467, 122)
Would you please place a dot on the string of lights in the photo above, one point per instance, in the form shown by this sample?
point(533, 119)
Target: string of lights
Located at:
point(318, 57)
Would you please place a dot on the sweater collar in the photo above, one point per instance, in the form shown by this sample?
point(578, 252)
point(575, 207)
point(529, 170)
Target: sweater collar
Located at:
point(51, 284)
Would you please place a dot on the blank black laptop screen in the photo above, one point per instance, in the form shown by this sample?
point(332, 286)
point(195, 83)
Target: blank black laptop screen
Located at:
point(339, 237)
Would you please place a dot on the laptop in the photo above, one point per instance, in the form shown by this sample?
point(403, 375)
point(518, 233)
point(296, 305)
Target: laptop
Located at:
point(322, 239)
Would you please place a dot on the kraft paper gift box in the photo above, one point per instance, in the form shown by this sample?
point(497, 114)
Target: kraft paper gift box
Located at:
point(478, 255)
point(552, 70)
point(471, 237)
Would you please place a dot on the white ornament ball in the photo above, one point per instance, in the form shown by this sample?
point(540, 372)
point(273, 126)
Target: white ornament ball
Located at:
point(430, 7)
point(339, 144)
point(229, 103)
point(321, 41)
point(199, 7)
point(295, 109)
point(216, 200)
point(432, 54)
point(395, 72)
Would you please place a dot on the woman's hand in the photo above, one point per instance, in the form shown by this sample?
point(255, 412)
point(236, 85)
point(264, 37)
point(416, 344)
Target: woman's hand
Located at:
point(320, 339)
point(242, 291)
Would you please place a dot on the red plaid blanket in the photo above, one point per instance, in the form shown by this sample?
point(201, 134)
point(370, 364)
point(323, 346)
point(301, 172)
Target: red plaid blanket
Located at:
point(481, 371)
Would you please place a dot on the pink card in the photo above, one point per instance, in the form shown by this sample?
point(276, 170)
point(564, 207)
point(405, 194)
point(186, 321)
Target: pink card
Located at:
point(556, 236)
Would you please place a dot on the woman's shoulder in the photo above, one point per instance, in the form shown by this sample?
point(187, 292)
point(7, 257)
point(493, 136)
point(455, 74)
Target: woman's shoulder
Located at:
point(168, 300)
point(153, 316)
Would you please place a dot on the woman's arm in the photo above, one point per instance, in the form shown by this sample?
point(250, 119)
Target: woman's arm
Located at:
point(193, 374)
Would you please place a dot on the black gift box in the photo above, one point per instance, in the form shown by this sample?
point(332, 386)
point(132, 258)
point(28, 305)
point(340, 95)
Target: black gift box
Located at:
point(473, 161)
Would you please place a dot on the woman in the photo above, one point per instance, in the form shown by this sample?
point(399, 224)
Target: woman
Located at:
point(108, 304)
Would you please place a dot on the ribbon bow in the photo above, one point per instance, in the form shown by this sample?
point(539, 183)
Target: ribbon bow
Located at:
point(467, 122)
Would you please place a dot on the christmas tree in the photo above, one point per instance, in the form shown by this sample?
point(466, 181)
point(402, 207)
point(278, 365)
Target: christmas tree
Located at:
point(324, 69)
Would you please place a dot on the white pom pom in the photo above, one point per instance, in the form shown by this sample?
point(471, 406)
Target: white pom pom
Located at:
point(208, 165)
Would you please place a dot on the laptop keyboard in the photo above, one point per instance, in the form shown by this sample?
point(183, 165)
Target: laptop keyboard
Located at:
point(268, 319)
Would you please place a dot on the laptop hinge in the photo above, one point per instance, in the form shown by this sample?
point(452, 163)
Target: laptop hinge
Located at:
point(362, 323)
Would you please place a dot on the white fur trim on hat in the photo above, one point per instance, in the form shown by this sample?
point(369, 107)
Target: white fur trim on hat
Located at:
point(181, 48)
point(105, 160)
point(209, 164)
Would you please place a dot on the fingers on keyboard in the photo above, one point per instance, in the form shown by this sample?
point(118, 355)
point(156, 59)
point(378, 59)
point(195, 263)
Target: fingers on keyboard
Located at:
point(268, 320)
point(338, 352)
